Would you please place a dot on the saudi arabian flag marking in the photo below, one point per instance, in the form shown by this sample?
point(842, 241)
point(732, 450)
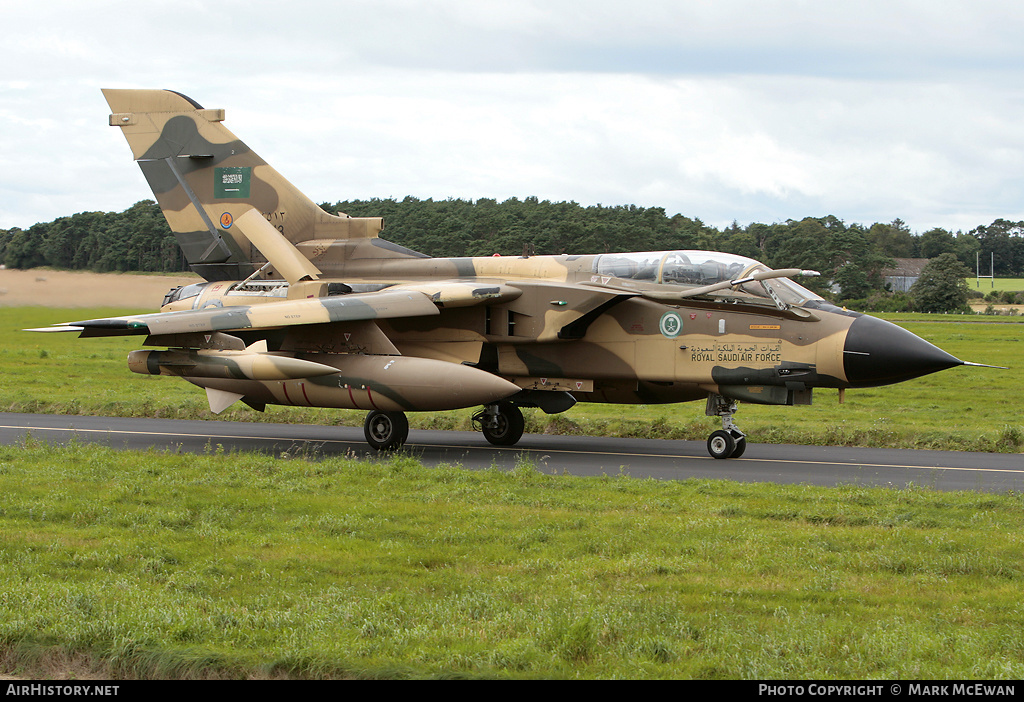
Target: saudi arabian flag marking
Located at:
point(231, 182)
point(671, 325)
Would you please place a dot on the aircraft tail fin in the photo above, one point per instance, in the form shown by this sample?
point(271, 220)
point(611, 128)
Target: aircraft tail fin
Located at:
point(203, 176)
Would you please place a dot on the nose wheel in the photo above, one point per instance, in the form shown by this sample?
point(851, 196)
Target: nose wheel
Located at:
point(729, 441)
point(722, 444)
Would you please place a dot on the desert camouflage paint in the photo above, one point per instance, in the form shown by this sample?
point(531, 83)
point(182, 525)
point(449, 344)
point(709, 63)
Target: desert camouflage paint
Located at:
point(303, 307)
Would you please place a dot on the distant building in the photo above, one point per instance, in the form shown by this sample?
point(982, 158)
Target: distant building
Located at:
point(904, 274)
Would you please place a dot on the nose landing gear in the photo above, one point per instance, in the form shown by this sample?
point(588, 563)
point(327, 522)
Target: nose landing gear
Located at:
point(729, 441)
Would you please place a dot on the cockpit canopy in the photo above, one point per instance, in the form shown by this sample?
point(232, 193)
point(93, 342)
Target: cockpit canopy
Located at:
point(697, 269)
point(183, 292)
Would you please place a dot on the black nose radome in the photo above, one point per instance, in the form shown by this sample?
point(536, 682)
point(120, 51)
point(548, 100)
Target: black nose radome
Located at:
point(879, 353)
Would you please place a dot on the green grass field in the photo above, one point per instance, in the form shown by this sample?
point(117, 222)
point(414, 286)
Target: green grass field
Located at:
point(986, 285)
point(156, 565)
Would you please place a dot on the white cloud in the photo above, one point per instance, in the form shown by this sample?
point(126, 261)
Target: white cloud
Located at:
point(756, 111)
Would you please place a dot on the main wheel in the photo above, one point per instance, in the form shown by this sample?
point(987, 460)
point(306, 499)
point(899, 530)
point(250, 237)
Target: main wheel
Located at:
point(508, 426)
point(386, 430)
point(721, 444)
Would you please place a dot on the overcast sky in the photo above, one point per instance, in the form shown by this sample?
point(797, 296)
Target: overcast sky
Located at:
point(755, 111)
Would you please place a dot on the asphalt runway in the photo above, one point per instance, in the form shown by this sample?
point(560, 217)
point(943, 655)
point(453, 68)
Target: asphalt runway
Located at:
point(641, 458)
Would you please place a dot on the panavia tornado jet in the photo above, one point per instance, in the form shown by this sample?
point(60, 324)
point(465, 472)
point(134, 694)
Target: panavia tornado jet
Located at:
point(301, 307)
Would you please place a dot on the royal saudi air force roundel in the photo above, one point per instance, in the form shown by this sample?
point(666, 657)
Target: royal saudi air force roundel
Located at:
point(671, 325)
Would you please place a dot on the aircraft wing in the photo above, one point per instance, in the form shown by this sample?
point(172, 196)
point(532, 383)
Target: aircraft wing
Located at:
point(459, 293)
point(405, 300)
point(384, 304)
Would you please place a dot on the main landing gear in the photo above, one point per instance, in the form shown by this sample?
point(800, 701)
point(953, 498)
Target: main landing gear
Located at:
point(385, 431)
point(729, 441)
point(502, 423)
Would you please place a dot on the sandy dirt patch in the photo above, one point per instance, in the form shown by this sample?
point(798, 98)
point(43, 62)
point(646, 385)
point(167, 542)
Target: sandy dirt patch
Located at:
point(980, 307)
point(85, 289)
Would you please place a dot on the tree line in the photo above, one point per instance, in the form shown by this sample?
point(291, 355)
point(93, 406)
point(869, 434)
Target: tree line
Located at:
point(851, 257)
point(137, 239)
